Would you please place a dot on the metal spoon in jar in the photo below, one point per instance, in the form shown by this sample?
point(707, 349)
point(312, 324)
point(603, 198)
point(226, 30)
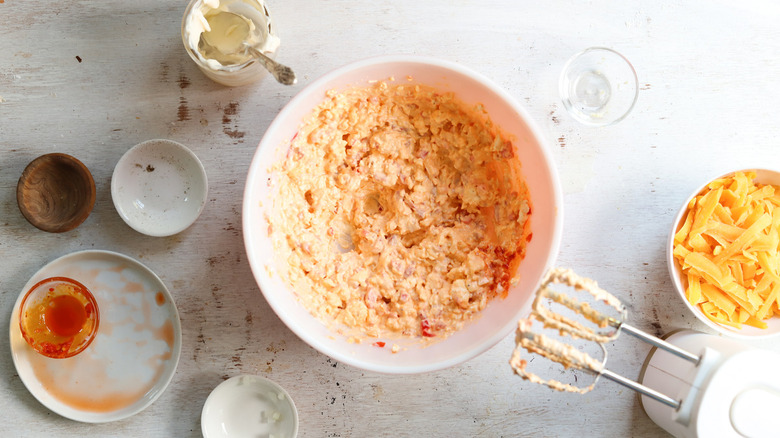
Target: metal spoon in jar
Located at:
point(228, 35)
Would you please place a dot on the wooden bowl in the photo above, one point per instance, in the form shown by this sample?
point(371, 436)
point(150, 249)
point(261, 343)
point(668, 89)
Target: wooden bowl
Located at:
point(56, 192)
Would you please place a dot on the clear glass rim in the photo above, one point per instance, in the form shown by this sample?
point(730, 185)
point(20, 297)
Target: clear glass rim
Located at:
point(563, 89)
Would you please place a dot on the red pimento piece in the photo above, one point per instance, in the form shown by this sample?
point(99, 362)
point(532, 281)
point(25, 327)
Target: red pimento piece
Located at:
point(426, 328)
point(379, 344)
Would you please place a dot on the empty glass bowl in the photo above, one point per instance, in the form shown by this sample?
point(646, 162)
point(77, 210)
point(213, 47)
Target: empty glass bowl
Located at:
point(598, 86)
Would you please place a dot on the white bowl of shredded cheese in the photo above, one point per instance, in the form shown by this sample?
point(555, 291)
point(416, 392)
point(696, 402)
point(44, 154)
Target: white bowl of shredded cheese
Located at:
point(400, 212)
point(722, 253)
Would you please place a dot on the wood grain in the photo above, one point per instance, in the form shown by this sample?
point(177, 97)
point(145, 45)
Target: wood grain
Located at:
point(56, 192)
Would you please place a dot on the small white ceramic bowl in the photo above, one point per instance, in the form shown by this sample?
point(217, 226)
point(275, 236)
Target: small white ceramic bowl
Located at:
point(159, 187)
point(763, 176)
point(500, 317)
point(249, 406)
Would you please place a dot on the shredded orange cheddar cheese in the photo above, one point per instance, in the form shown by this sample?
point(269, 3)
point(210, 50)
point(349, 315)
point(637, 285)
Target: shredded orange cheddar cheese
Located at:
point(728, 247)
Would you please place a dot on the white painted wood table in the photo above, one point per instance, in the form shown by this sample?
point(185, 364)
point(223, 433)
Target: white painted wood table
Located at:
point(92, 78)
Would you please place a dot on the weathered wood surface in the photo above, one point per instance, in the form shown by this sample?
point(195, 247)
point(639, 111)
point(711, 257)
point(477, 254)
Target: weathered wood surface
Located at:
point(92, 78)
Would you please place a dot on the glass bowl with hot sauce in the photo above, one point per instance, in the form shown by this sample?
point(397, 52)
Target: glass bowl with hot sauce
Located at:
point(59, 317)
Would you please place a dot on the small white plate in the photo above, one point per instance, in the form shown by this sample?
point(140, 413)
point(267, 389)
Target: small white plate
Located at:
point(249, 406)
point(134, 355)
point(159, 187)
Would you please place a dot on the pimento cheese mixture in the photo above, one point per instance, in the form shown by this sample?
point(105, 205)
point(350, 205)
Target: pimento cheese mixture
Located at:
point(400, 211)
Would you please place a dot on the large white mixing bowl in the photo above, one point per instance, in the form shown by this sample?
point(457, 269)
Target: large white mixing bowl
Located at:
point(500, 317)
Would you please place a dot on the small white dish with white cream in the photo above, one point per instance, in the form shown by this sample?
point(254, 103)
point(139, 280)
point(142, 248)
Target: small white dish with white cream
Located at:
point(215, 17)
point(249, 406)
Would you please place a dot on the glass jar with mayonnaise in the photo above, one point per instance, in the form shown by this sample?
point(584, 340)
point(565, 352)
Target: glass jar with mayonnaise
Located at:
point(232, 69)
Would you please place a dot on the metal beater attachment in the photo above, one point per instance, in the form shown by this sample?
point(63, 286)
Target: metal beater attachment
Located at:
point(598, 327)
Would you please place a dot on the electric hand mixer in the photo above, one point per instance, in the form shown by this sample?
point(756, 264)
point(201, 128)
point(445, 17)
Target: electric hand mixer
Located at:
point(704, 385)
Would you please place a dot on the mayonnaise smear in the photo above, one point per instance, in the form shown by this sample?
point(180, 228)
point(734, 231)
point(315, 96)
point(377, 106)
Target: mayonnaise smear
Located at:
point(226, 34)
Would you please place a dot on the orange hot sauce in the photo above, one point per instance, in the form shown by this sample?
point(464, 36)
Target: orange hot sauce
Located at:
point(65, 315)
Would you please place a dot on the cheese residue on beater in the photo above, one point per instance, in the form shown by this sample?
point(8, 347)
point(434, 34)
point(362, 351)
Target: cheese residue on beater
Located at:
point(565, 354)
